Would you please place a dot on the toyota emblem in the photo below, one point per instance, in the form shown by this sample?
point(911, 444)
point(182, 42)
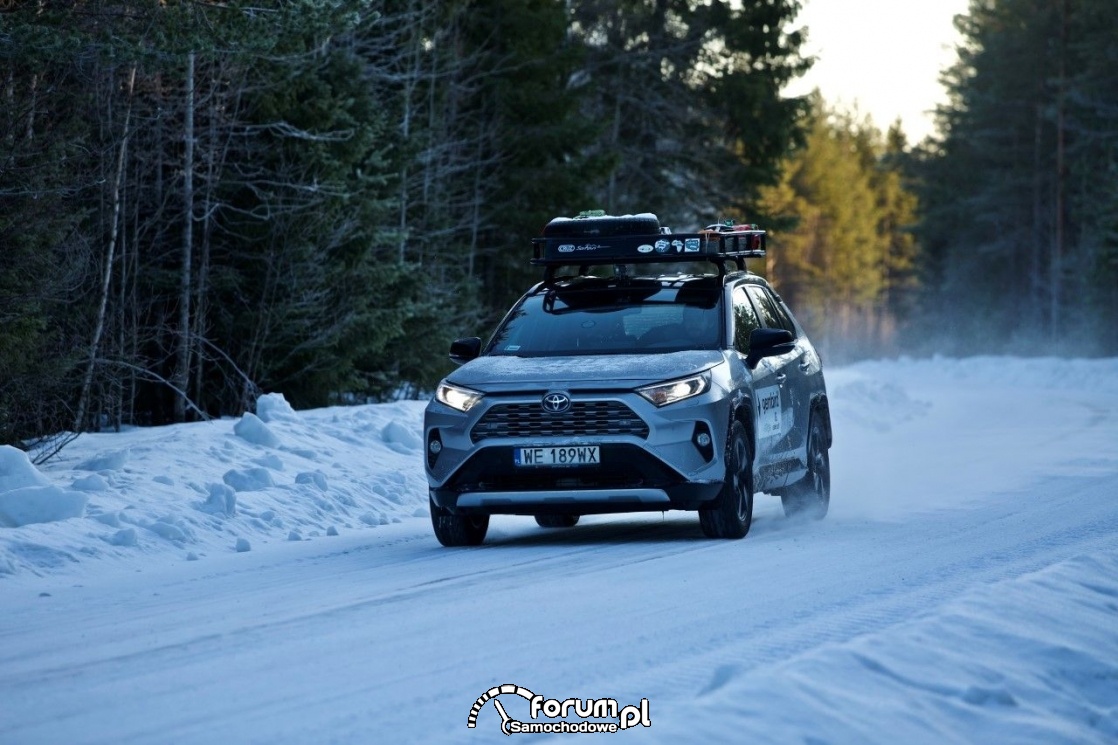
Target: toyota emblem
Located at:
point(556, 403)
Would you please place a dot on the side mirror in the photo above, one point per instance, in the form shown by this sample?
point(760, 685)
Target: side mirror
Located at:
point(768, 343)
point(464, 350)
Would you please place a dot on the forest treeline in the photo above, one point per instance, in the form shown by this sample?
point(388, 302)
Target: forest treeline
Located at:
point(201, 201)
point(1019, 197)
point(999, 234)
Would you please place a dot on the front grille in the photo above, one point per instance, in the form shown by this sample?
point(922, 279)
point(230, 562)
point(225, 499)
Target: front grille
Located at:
point(624, 465)
point(583, 419)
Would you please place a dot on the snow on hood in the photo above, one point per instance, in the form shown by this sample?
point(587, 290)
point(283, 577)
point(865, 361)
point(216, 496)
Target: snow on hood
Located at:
point(630, 370)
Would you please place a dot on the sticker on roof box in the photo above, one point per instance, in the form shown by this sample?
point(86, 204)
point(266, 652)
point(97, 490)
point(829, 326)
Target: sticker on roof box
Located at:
point(691, 245)
point(645, 249)
point(678, 246)
point(662, 247)
point(569, 248)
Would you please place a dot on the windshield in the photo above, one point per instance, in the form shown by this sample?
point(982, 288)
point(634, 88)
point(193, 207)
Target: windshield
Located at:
point(642, 316)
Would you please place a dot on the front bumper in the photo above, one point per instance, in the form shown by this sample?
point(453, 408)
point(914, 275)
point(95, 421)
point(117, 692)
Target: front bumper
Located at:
point(652, 464)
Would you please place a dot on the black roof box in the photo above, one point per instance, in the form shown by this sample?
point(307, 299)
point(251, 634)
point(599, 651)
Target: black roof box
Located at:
point(597, 224)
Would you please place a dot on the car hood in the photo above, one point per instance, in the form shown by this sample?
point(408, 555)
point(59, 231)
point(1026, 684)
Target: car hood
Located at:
point(507, 373)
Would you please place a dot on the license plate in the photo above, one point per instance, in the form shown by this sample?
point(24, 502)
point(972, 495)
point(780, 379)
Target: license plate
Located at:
point(586, 455)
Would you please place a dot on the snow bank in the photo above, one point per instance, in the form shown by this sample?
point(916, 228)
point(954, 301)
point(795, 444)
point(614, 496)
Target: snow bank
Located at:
point(400, 438)
point(39, 504)
point(188, 491)
point(111, 461)
point(27, 496)
point(253, 429)
point(273, 407)
point(1033, 659)
point(17, 471)
point(921, 403)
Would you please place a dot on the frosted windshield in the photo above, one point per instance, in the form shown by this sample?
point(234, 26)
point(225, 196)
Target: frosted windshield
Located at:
point(612, 321)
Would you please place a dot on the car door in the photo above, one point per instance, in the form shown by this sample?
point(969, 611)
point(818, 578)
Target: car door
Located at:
point(766, 389)
point(783, 422)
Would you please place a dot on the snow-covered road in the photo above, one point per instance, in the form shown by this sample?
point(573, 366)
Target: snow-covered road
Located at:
point(964, 588)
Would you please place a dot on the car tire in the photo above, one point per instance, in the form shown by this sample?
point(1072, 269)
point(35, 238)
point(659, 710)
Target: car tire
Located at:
point(556, 521)
point(811, 495)
point(732, 512)
point(458, 530)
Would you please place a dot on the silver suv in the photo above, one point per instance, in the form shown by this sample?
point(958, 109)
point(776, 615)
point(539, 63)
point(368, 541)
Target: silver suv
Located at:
point(627, 392)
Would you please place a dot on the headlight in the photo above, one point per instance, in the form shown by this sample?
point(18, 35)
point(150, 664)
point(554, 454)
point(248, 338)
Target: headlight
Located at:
point(462, 399)
point(663, 394)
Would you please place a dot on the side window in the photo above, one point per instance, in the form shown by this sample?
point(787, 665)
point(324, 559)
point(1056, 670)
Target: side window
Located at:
point(771, 314)
point(745, 320)
point(784, 314)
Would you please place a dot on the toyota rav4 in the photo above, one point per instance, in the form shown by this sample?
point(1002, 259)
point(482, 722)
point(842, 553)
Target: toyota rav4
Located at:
point(632, 391)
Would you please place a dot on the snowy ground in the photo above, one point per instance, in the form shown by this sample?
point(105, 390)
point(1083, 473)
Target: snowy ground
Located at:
point(274, 579)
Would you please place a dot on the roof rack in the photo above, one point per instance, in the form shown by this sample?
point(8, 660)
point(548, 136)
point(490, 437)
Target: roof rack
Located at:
point(596, 239)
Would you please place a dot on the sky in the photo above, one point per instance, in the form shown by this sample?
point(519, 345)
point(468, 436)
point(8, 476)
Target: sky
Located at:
point(882, 56)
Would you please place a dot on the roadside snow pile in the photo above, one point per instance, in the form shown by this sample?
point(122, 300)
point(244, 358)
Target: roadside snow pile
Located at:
point(253, 429)
point(1034, 659)
point(876, 404)
point(273, 407)
point(27, 497)
point(184, 491)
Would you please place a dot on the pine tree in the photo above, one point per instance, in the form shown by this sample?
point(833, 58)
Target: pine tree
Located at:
point(1016, 195)
point(689, 93)
point(841, 247)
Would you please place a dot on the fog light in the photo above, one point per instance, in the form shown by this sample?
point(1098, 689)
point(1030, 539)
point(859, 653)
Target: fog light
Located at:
point(434, 447)
point(703, 441)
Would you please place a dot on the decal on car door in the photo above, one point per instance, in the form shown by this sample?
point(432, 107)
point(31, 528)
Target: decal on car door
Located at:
point(769, 419)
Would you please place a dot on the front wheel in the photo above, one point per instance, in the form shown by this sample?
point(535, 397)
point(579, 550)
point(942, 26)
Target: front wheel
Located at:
point(556, 521)
point(732, 513)
point(458, 530)
point(811, 495)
